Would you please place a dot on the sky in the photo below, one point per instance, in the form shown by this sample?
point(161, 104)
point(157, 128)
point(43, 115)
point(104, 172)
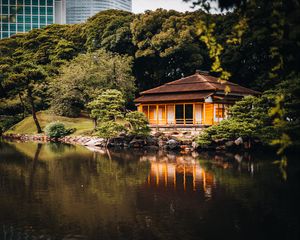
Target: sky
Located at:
point(140, 6)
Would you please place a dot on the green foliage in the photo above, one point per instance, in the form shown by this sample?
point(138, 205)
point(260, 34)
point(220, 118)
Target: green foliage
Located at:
point(138, 123)
point(8, 121)
point(110, 129)
point(107, 106)
point(69, 104)
point(57, 130)
point(81, 80)
point(249, 119)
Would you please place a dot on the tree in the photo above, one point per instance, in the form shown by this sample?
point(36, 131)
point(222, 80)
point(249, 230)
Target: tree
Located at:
point(106, 110)
point(167, 47)
point(107, 106)
point(249, 119)
point(25, 79)
point(138, 123)
point(81, 80)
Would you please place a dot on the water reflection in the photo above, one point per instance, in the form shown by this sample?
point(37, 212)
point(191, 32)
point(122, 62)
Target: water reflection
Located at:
point(55, 191)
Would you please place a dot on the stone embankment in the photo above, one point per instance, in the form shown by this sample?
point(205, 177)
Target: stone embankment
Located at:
point(157, 140)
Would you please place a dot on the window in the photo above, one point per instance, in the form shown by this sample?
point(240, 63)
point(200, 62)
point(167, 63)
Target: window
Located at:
point(27, 27)
point(27, 2)
point(4, 18)
point(27, 19)
point(28, 10)
point(20, 19)
point(4, 9)
point(35, 10)
point(35, 20)
point(4, 34)
point(20, 28)
point(13, 10)
point(42, 11)
point(42, 2)
point(49, 10)
point(145, 111)
point(43, 20)
point(20, 9)
point(13, 27)
point(4, 27)
point(49, 20)
point(219, 112)
point(12, 2)
point(20, 2)
point(179, 114)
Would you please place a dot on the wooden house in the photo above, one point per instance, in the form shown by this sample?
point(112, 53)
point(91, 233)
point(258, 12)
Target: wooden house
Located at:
point(196, 100)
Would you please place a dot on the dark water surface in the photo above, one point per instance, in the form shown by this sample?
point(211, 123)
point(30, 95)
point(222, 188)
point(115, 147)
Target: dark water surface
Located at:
point(56, 191)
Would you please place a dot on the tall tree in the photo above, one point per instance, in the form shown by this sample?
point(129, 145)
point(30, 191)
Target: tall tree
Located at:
point(26, 78)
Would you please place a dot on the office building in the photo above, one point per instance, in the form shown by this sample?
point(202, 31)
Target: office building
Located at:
point(18, 16)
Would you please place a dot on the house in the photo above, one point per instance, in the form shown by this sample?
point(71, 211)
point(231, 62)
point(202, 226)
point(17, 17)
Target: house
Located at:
point(197, 100)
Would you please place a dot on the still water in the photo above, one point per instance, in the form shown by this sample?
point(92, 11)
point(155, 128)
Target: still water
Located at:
point(56, 191)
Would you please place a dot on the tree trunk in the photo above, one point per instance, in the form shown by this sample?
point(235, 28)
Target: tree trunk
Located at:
point(33, 111)
point(23, 105)
point(95, 123)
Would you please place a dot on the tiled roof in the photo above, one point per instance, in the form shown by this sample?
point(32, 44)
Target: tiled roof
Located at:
point(199, 82)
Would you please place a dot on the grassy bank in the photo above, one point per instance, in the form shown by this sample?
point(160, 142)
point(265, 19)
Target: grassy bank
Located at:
point(83, 125)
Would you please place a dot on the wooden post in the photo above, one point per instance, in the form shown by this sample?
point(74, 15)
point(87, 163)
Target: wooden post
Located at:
point(204, 113)
point(184, 120)
point(166, 122)
point(174, 114)
point(156, 114)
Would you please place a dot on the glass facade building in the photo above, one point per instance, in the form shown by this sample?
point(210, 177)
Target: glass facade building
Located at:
point(80, 10)
point(18, 16)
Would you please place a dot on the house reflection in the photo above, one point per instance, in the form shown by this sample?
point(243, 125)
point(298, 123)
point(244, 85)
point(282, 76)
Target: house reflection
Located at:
point(181, 173)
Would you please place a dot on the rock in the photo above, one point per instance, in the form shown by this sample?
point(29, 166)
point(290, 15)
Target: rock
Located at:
point(229, 144)
point(137, 143)
point(195, 145)
point(222, 147)
point(158, 134)
point(239, 141)
point(172, 144)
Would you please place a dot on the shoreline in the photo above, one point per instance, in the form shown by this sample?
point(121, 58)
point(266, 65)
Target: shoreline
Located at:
point(157, 141)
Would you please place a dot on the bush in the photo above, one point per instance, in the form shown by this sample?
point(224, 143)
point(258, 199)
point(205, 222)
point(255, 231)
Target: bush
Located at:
point(57, 130)
point(68, 105)
point(138, 123)
point(249, 119)
point(110, 129)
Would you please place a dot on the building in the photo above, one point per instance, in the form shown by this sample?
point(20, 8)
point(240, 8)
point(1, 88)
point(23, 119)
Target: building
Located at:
point(194, 101)
point(80, 10)
point(19, 16)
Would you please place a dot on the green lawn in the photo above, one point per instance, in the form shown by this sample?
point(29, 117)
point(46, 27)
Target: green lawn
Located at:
point(83, 125)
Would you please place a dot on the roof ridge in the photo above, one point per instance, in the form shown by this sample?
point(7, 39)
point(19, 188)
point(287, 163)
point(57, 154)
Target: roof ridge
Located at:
point(203, 78)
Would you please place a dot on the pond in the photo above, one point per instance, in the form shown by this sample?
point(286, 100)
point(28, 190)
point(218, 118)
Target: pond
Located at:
point(57, 191)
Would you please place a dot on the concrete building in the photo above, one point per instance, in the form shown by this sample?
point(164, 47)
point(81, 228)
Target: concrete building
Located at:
point(18, 16)
point(80, 10)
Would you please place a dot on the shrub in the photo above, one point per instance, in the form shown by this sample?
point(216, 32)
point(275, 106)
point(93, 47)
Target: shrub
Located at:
point(57, 130)
point(249, 119)
point(110, 129)
point(138, 123)
point(67, 105)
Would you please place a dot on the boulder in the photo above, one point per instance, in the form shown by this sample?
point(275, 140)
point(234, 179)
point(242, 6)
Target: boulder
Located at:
point(172, 144)
point(229, 144)
point(137, 143)
point(195, 145)
point(239, 141)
